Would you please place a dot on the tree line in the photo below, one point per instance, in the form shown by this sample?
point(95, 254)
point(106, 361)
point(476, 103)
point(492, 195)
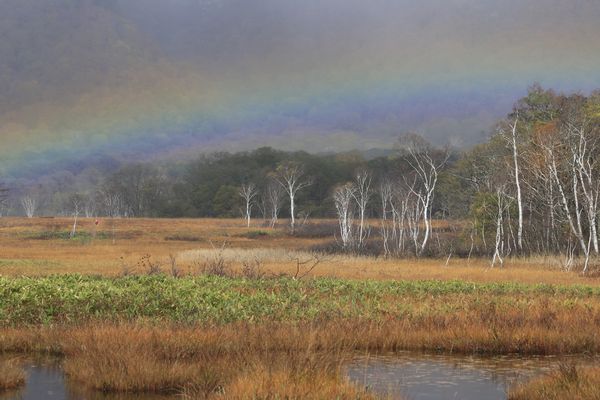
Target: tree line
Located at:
point(532, 188)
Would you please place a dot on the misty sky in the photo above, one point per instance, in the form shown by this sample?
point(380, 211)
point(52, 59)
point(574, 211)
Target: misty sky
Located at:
point(175, 77)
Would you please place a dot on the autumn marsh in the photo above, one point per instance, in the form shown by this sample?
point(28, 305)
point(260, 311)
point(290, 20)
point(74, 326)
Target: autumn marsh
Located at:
point(145, 308)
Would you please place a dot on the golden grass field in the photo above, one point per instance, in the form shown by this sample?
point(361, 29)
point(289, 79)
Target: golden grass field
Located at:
point(283, 359)
point(122, 243)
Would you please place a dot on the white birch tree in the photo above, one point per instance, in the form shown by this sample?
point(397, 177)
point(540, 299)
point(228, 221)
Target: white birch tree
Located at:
point(248, 192)
point(291, 178)
point(362, 196)
point(343, 197)
point(512, 138)
point(29, 205)
point(426, 167)
point(274, 200)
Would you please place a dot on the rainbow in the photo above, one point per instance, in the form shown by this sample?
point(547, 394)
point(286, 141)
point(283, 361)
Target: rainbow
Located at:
point(449, 87)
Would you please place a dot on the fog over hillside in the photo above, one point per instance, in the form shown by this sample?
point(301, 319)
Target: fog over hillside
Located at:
point(89, 80)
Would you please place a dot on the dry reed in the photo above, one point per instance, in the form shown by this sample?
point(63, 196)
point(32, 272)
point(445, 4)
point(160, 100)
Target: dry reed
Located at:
point(203, 364)
point(23, 254)
point(568, 382)
point(12, 375)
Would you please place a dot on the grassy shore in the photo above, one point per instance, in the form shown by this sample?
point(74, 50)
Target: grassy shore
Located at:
point(568, 382)
point(12, 375)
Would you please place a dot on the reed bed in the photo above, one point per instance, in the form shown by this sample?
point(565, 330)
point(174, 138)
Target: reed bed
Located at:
point(203, 364)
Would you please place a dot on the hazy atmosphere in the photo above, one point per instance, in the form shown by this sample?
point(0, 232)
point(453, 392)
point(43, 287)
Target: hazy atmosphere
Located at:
point(88, 81)
point(300, 199)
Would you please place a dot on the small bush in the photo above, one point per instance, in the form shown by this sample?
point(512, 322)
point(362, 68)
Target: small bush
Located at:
point(252, 269)
point(256, 235)
point(147, 264)
point(316, 230)
point(182, 237)
point(371, 248)
point(217, 265)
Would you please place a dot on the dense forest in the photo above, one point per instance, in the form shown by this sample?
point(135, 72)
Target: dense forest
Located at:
point(533, 187)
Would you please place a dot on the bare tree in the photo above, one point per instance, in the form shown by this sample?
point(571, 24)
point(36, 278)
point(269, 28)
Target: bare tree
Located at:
point(419, 155)
point(274, 199)
point(90, 205)
point(29, 205)
point(248, 192)
point(570, 156)
point(411, 207)
point(139, 187)
point(342, 197)
point(386, 194)
point(512, 138)
point(502, 206)
point(362, 195)
point(291, 178)
point(584, 150)
point(4, 192)
point(398, 199)
point(77, 202)
point(113, 203)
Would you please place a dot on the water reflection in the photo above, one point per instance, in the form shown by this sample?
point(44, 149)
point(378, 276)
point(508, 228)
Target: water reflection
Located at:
point(46, 380)
point(406, 375)
point(423, 377)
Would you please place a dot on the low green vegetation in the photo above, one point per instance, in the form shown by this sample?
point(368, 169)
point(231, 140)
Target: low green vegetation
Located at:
point(217, 300)
point(81, 236)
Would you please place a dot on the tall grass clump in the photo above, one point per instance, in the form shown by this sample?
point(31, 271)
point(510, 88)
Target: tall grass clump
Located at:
point(204, 364)
point(568, 382)
point(12, 375)
point(127, 360)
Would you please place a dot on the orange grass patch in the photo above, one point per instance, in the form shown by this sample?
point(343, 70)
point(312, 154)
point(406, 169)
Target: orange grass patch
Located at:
point(12, 375)
point(121, 245)
point(283, 360)
point(204, 364)
point(568, 382)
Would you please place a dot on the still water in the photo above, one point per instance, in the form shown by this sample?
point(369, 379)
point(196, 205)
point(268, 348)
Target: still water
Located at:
point(45, 380)
point(427, 377)
point(407, 376)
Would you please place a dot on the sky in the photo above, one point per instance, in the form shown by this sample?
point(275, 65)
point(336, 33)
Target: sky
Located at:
point(146, 79)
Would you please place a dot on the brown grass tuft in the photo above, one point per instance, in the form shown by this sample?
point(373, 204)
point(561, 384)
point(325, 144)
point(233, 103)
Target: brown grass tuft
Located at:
point(568, 382)
point(132, 360)
point(231, 360)
point(265, 383)
point(228, 362)
point(12, 375)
